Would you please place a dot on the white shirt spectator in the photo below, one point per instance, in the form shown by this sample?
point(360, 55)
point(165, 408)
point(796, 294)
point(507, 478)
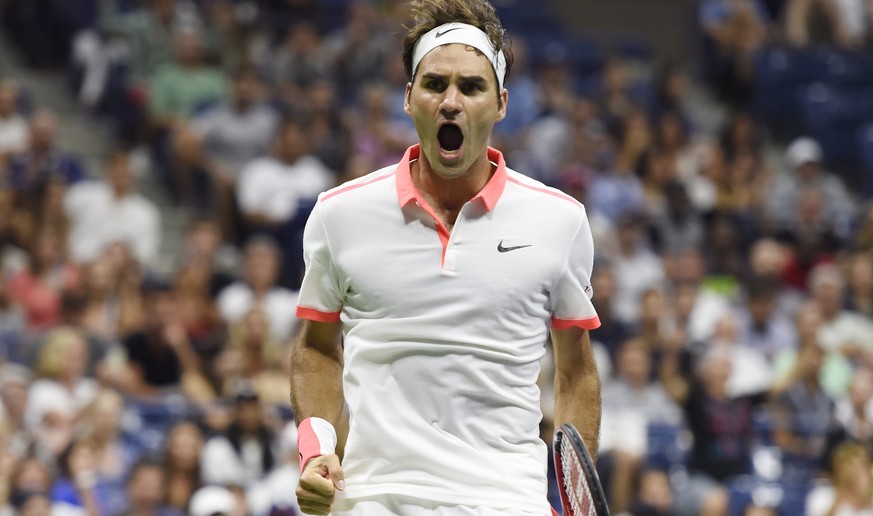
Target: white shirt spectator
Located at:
point(273, 188)
point(634, 274)
point(99, 219)
point(13, 134)
point(47, 396)
point(280, 304)
point(846, 329)
point(221, 464)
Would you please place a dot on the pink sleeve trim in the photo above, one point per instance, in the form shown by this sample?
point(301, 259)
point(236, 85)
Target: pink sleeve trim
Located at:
point(312, 314)
point(589, 323)
point(307, 442)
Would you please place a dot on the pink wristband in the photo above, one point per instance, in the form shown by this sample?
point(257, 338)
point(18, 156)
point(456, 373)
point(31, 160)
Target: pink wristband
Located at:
point(315, 436)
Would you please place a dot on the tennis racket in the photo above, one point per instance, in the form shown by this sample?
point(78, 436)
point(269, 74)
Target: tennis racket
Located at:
point(581, 493)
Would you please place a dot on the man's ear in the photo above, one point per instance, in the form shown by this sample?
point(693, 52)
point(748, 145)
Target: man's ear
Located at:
point(502, 99)
point(406, 108)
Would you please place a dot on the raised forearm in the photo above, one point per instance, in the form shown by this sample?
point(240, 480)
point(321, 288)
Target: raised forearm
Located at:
point(316, 374)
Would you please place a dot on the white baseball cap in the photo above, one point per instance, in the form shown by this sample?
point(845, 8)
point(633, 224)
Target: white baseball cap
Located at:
point(209, 500)
point(803, 150)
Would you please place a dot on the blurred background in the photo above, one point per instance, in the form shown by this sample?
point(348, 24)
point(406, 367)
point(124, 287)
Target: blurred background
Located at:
point(158, 159)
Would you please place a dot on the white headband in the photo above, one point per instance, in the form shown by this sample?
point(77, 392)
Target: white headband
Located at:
point(464, 34)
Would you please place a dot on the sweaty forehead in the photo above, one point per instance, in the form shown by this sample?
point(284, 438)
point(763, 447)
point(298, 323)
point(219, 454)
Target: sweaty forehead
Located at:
point(456, 59)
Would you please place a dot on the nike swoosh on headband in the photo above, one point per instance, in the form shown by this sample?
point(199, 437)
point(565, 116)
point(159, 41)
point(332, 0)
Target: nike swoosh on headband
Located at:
point(443, 33)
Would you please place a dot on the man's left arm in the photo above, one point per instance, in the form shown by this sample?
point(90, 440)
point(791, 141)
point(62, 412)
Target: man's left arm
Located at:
point(577, 384)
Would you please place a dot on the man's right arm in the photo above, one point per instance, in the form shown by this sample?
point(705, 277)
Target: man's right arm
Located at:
point(316, 392)
point(316, 372)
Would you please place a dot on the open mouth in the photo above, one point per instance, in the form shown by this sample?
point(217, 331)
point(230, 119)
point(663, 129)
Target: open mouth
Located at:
point(450, 137)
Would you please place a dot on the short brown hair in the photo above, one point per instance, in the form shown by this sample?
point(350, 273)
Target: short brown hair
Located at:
point(429, 14)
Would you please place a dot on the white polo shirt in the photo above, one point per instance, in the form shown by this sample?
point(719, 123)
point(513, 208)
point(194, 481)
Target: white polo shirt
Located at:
point(443, 331)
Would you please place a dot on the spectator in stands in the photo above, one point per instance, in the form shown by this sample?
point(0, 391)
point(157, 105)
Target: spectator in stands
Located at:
point(750, 370)
point(672, 85)
point(271, 188)
point(179, 90)
point(15, 233)
point(205, 249)
point(56, 400)
point(75, 486)
point(114, 454)
point(111, 299)
point(836, 369)
point(654, 496)
point(301, 60)
point(215, 146)
point(271, 496)
point(843, 331)
point(741, 187)
point(160, 358)
point(260, 271)
point(276, 193)
point(182, 463)
point(823, 22)
point(631, 401)
point(617, 189)
point(254, 355)
point(762, 325)
point(41, 163)
point(103, 212)
point(146, 489)
point(617, 101)
point(17, 436)
point(359, 48)
point(636, 268)
point(38, 288)
point(724, 254)
point(741, 135)
point(196, 309)
point(721, 426)
point(213, 500)
point(148, 31)
point(677, 226)
point(562, 138)
point(854, 410)
point(27, 479)
point(859, 284)
point(13, 126)
point(330, 137)
point(862, 235)
point(734, 31)
point(849, 491)
point(245, 451)
point(376, 135)
point(806, 174)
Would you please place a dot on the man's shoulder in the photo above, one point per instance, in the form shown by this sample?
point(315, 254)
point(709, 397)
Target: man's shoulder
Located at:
point(534, 189)
point(360, 188)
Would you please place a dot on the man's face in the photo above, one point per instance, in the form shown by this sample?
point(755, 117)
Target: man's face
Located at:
point(453, 104)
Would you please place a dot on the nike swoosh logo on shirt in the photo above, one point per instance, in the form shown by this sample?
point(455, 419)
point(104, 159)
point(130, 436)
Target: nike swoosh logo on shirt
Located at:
point(510, 248)
point(440, 34)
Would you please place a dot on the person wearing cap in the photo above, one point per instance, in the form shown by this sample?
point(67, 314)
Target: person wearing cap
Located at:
point(444, 275)
point(804, 158)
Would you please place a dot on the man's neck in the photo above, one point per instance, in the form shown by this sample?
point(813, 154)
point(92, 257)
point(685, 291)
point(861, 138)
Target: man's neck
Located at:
point(450, 193)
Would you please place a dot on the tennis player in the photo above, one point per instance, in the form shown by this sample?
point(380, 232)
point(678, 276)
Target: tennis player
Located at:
point(430, 290)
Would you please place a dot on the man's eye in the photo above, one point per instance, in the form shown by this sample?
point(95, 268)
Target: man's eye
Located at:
point(471, 87)
point(434, 84)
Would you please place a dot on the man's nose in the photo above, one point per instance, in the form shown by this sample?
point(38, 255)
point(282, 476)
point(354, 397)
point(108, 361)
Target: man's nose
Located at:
point(451, 103)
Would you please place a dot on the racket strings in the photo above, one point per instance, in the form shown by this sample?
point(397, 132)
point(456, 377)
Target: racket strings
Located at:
point(576, 484)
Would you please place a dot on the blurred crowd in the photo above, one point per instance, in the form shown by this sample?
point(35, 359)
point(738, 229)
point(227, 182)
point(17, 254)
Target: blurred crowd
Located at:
point(733, 277)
